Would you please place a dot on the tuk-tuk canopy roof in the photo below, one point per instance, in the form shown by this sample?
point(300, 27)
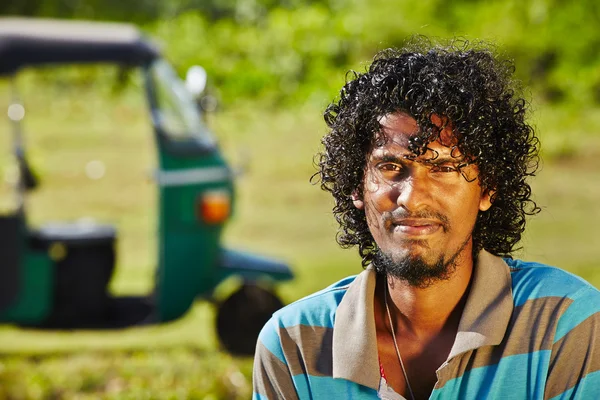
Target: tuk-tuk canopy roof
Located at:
point(30, 42)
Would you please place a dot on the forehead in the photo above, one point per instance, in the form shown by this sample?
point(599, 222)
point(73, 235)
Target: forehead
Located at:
point(398, 128)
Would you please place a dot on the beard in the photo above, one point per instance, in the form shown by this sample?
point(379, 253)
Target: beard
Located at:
point(415, 270)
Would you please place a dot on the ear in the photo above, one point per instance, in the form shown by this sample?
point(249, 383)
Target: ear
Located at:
point(357, 200)
point(487, 197)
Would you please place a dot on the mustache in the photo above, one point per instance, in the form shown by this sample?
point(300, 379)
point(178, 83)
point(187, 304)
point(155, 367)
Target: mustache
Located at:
point(390, 217)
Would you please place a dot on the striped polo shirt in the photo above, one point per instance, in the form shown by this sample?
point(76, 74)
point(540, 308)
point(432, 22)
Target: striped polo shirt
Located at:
point(528, 331)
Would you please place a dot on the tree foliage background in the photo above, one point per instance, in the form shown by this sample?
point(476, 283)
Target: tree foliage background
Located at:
point(292, 51)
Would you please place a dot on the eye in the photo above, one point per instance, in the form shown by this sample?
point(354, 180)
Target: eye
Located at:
point(390, 170)
point(444, 168)
point(389, 167)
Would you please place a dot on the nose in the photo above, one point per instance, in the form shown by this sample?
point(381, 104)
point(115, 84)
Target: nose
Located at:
point(414, 192)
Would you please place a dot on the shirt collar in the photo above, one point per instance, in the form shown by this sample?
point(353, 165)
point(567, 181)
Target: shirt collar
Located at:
point(483, 323)
point(488, 308)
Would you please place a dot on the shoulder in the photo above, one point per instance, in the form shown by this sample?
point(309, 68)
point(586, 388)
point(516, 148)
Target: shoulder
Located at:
point(301, 329)
point(317, 309)
point(562, 312)
point(531, 280)
point(572, 302)
point(313, 312)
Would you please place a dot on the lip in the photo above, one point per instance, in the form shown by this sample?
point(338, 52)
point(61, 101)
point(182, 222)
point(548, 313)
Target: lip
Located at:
point(416, 227)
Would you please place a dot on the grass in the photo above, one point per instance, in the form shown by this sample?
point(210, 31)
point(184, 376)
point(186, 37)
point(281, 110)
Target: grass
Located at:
point(279, 213)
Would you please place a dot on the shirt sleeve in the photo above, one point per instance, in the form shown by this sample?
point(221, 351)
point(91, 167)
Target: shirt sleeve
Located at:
point(574, 371)
point(271, 377)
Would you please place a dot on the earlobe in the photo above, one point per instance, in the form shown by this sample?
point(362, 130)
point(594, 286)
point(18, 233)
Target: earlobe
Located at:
point(357, 201)
point(486, 200)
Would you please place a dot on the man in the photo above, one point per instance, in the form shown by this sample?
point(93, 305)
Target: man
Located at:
point(427, 157)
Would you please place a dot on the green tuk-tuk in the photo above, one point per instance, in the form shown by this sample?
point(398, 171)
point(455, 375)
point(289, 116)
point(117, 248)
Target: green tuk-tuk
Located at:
point(56, 275)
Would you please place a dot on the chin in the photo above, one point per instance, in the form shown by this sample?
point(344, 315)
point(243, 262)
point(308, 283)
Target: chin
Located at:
point(412, 268)
point(415, 254)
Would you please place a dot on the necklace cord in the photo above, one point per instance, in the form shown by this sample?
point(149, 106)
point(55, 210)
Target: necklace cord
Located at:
point(387, 308)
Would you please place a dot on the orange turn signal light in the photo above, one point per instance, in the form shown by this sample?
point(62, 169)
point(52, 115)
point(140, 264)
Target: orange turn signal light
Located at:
point(214, 206)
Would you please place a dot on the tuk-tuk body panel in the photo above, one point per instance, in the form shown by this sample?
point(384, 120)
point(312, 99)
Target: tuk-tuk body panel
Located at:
point(190, 247)
point(35, 300)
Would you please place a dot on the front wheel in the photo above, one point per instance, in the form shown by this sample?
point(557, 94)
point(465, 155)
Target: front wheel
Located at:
point(242, 315)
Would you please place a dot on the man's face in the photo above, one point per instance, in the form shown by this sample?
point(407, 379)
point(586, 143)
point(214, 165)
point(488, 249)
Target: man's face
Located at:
point(421, 214)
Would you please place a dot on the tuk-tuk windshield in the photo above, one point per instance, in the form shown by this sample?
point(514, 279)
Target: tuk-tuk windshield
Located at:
point(175, 113)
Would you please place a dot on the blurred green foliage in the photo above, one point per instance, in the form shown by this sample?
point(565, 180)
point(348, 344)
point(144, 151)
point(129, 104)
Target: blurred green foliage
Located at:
point(293, 51)
point(294, 54)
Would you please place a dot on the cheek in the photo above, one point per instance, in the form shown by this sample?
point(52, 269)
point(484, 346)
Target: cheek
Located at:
point(461, 205)
point(373, 215)
point(470, 210)
point(371, 209)
point(379, 195)
point(371, 185)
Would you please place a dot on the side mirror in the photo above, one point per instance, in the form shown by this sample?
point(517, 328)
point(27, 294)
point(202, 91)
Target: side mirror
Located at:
point(195, 80)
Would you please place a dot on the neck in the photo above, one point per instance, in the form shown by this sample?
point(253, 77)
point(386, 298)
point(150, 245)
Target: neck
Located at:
point(428, 311)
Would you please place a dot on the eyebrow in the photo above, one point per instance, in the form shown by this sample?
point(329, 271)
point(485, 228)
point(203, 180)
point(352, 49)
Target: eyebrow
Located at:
point(389, 157)
point(445, 159)
point(399, 159)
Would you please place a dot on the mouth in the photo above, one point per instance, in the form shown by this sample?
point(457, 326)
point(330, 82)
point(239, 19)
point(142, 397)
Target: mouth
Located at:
point(416, 227)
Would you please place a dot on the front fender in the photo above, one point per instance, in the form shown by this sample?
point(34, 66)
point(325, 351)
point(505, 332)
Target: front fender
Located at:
point(252, 267)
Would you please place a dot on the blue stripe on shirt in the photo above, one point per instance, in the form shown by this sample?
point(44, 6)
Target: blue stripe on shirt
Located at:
point(586, 388)
point(585, 304)
point(534, 281)
point(323, 387)
point(492, 381)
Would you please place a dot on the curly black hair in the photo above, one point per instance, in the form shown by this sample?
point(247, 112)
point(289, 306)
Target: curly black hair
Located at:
point(470, 86)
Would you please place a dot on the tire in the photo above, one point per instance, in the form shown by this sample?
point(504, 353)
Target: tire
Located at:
point(241, 317)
